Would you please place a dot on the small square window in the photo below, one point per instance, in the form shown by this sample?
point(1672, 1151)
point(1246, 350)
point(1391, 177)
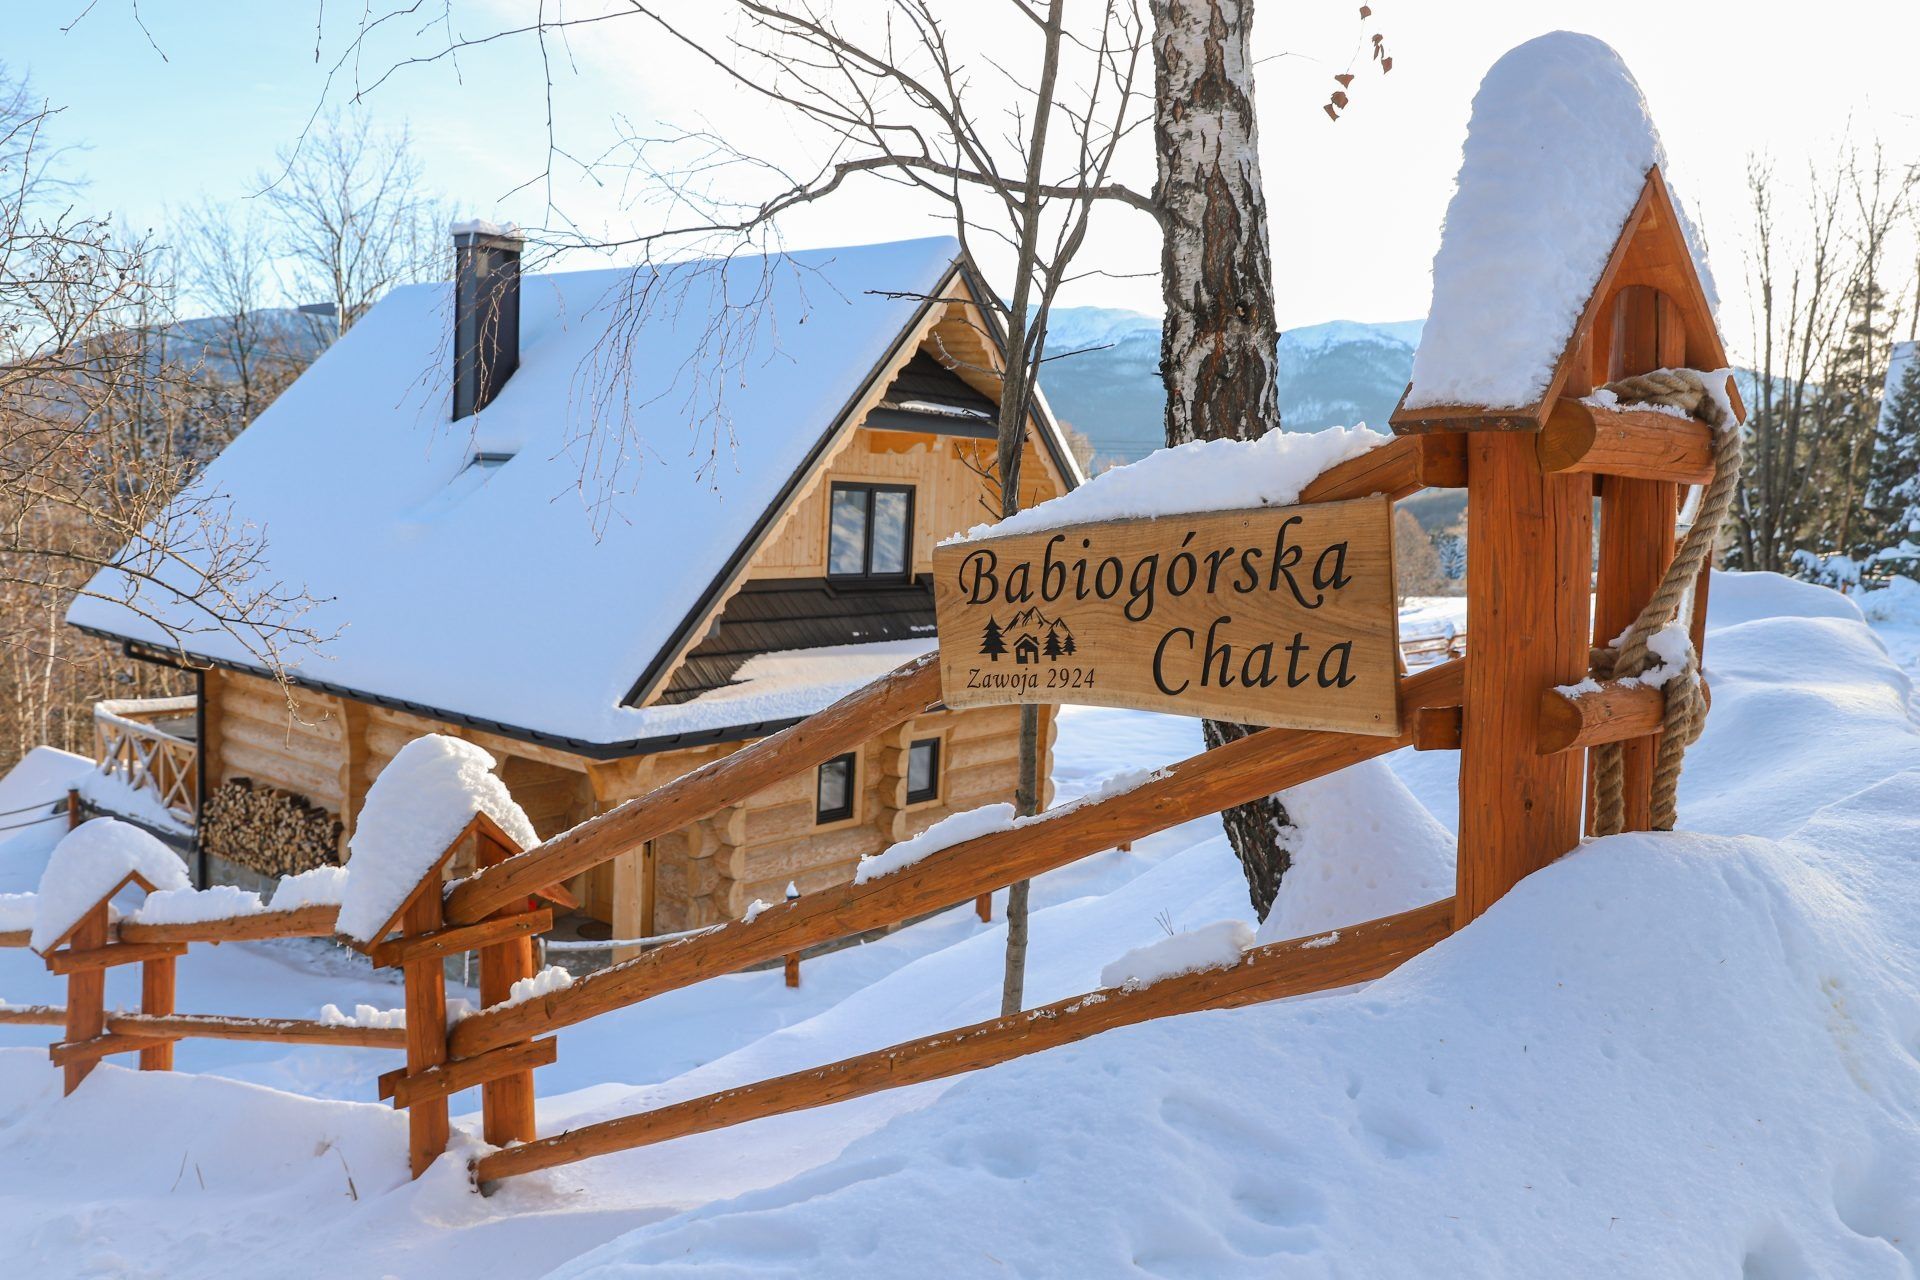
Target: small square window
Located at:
point(833, 790)
point(870, 531)
point(923, 771)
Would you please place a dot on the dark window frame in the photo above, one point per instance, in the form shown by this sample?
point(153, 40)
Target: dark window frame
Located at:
point(823, 816)
point(867, 573)
point(932, 790)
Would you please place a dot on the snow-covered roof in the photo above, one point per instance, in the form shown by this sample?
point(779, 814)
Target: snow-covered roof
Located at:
point(1557, 151)
point(495, 592)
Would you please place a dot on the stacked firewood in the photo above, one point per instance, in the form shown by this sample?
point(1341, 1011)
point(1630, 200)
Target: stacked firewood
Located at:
point(270, 832)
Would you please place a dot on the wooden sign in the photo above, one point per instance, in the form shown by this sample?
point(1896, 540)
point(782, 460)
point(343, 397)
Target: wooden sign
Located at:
point(1273, 616)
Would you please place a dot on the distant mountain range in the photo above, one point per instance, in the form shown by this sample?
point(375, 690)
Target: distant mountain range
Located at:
point(1334, 374)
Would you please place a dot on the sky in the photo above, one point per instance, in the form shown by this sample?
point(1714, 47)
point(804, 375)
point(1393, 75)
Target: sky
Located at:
point(187, 100)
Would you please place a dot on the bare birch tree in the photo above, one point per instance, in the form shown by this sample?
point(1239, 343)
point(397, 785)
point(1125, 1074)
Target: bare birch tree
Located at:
point(1219, 341)
point(354, 217)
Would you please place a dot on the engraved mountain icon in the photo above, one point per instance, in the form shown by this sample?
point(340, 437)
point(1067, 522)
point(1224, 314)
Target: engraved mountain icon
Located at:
point(1032, 636)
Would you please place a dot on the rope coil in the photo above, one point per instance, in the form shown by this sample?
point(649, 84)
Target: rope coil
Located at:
point(1686, 712)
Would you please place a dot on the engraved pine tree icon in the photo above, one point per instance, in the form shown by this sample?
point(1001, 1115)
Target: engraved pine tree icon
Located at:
point(992, 643)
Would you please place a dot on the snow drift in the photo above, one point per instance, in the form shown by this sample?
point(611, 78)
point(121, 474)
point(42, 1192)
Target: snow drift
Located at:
point(1685, 1054)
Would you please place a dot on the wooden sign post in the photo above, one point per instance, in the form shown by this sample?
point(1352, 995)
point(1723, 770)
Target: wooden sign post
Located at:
point(1271, 616)
point(1532, 618)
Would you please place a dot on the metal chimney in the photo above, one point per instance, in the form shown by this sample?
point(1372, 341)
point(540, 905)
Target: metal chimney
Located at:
point(486, 301)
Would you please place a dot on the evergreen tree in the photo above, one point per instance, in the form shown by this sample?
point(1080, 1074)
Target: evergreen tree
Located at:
point(993, 644)
point(1067, 645)
point(1893, 493)
point(1052, 646)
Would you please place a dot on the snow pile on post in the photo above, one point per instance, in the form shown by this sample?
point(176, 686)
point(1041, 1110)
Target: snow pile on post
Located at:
point(319, 887)
point(955, 828)
point(1213, 946)
point(549, 980)
point(197, 906)
point(363, 1015)
point(16, 911)
point(414, 810)
point(1557, 151)
point(1201, 475)
point(91, 862)
point(1363, 847)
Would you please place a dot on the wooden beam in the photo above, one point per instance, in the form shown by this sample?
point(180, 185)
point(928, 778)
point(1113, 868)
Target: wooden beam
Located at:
point(301, 922)
point(1616, 712)
point(425, 982)
point(156, 997)
point(1353, 953)
point(1398, 469)
point(407, 1088)
point(33, 1015)
point(16, 938)
point(1437, 729)
point(454, 939)
point(1641, 444)
point(1256, 765)
point(1637, 513)
point(506, 1096)
point(86, 996)
point(81, 1055)
point(896, 697)
point(1528, 568)
point(73, 961)
point(209, 1026)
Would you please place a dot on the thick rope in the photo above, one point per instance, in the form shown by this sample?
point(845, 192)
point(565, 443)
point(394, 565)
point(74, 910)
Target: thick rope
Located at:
point(1686, 713)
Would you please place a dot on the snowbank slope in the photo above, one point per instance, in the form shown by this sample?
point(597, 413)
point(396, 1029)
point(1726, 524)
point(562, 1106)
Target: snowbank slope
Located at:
point(1666, 1054)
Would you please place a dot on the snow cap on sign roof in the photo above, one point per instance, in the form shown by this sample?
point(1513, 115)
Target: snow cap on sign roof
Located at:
point(1557, 150)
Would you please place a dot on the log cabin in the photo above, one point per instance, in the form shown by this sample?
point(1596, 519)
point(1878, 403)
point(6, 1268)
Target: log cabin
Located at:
point(609, 525)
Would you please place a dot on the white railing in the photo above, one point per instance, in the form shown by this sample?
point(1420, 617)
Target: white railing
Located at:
point(130, 744)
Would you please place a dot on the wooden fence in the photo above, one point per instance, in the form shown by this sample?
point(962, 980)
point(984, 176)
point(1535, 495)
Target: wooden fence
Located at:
point(1521, 740)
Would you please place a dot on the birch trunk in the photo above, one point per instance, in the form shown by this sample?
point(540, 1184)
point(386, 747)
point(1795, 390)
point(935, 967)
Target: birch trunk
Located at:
point(1015, 395)
point(1219, 343)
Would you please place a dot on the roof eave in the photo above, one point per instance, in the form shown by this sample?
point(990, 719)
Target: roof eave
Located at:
point(583, 747)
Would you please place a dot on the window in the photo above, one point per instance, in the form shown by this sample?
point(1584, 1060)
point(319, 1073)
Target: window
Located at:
point(923, 771)
point(870, 531)
point(833, 790)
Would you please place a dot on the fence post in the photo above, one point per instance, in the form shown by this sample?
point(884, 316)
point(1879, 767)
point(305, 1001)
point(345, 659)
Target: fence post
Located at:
point(1636, 522)
point(86, 994)
point(1527, 569)
point(156, 996)
point(425, 983)
point(506, 1103)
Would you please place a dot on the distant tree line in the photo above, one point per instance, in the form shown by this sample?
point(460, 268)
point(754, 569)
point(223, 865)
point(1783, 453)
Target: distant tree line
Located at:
point(128, 362)
point(1828, 487)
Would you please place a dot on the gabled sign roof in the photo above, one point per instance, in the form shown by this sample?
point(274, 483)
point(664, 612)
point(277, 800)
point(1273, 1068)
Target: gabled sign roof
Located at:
point(1651, 251)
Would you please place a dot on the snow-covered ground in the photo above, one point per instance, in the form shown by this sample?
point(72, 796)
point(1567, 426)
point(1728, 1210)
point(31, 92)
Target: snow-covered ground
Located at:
point(1689, 1054)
